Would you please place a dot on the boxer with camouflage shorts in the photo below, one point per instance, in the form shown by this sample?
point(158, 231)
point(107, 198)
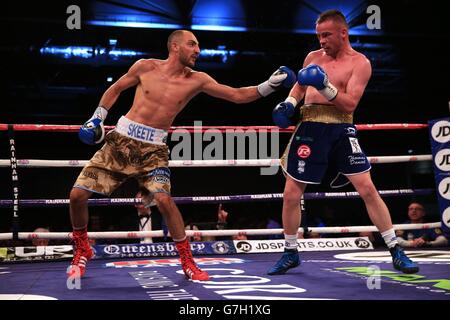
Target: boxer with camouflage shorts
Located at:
point(137, 149)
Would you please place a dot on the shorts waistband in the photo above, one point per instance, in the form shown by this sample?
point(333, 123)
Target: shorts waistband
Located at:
point(324, 113)
point(140, 132)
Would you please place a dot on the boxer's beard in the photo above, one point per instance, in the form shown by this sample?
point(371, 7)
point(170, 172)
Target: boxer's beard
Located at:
point(186, 61)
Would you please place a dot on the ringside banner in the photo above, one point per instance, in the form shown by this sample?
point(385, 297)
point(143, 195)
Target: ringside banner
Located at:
point(439, 130)
point(319, 244)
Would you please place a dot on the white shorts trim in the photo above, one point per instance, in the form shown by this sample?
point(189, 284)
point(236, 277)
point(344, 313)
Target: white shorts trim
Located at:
point(140, 132)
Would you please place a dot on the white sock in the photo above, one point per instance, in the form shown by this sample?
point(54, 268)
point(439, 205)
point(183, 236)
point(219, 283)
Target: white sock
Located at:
point(290, 241)
point(390, 238)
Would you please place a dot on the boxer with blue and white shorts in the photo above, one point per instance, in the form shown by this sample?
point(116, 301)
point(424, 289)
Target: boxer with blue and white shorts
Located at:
point(331, 82)
point(324, 136)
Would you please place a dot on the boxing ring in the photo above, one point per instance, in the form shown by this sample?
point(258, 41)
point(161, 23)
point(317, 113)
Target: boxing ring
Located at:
point(346, 268)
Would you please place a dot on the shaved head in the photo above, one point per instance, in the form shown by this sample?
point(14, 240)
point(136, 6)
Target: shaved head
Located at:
point(184, 47)
point(176, 37)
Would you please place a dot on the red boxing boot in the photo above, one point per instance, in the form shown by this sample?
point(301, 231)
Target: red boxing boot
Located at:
point(82, 253)
point(190, 268)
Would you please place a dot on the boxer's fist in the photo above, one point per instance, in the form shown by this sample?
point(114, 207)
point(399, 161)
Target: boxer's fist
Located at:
point(282, 114)
point(283, 76)
point(92, 131)
point(313, 75)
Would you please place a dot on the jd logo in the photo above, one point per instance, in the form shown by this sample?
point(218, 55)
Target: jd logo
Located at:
point(441, 131)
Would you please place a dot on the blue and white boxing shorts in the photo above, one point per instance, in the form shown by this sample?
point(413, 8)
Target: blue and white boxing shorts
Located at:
point(315, 145)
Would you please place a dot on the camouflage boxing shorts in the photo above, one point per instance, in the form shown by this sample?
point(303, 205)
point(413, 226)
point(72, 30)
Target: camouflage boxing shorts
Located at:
point(132, 150)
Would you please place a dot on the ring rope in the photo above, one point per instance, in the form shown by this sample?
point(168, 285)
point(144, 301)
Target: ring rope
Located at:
point(214, 199)
point(40, 163)
point(75, 128)
point(231, 232)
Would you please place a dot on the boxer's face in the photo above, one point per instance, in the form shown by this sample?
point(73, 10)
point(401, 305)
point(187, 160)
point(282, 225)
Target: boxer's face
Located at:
point(188, 50)
point(331, 36)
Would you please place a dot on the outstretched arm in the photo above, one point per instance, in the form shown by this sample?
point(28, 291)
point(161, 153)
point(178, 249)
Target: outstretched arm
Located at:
point(283, 76)
point(221, 91)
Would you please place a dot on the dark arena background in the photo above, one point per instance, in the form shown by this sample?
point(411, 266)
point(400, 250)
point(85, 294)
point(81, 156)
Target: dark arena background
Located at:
point(55, 75)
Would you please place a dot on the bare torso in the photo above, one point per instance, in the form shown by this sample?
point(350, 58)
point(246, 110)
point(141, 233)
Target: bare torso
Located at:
point(159, 97)
point(338, 70)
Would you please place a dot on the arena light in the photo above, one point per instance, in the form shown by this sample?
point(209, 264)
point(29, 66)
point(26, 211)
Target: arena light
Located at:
point(218, 28)
point(222, 53)
point(68, 52)
point(134, 24)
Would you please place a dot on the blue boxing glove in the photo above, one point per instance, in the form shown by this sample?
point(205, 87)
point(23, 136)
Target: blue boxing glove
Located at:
point(92, 131)
point(283, 112)
point(313, 75)
point(283, 76)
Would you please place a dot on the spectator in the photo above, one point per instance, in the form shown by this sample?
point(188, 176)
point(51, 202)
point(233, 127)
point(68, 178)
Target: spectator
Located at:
point(237, 223)
point(144, 212)
point(240, 236)
point(196, 237)
point(420, 237)
point(41, 242)
point(222, 216)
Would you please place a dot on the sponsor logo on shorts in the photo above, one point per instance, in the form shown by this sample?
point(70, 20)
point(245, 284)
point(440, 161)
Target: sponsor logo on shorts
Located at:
point(161, 179)
point(357, 160)
point(301, 166)
point(350, 131)
point(90, 174)
point(304, 151)
point(160, 172)
point(308, 139)
point(355, 145)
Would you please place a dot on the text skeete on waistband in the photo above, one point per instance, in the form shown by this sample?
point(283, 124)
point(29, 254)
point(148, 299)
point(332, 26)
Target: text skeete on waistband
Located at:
point(140, 132)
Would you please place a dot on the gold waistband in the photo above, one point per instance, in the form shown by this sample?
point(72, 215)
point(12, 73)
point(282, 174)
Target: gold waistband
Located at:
point(324, 113)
